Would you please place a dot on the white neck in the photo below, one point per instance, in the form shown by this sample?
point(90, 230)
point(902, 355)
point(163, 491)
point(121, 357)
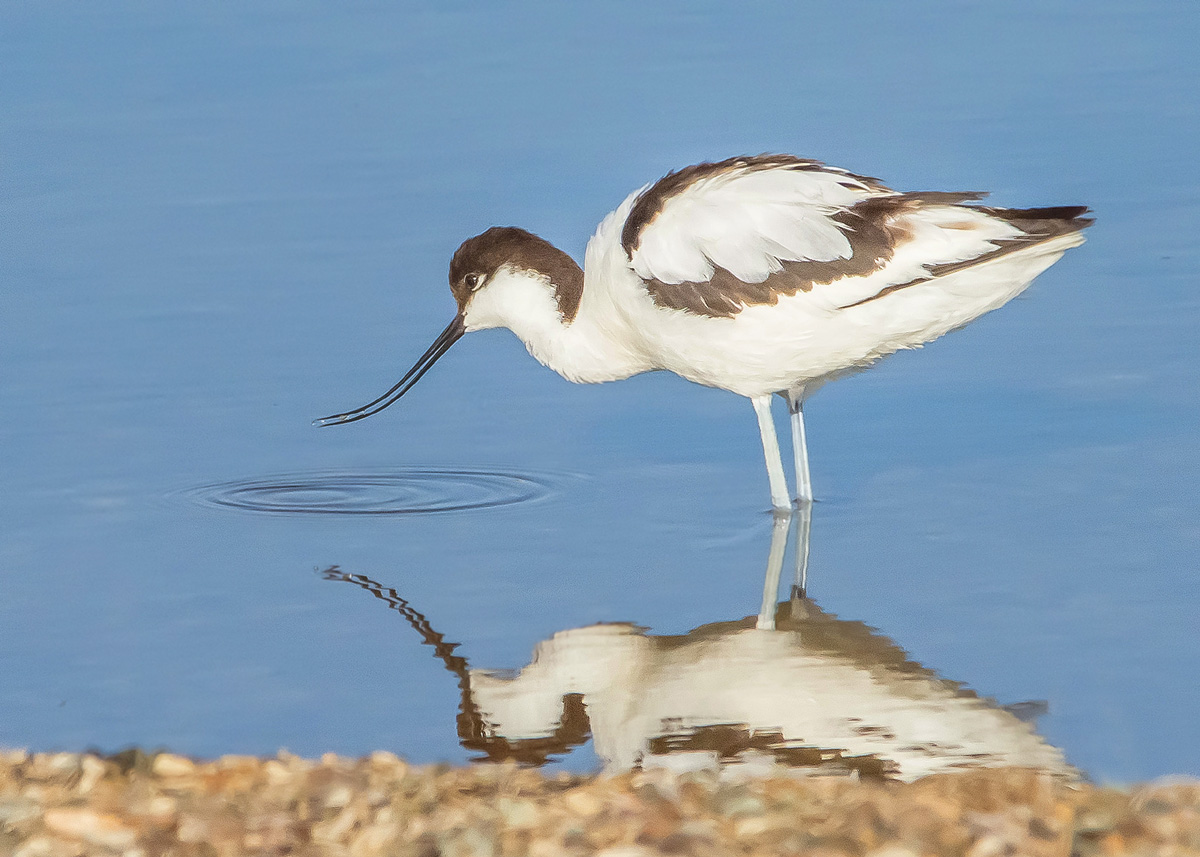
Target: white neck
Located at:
point(586, 350)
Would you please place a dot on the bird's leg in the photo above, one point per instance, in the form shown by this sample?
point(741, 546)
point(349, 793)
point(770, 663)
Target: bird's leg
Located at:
point(800, 449)
point(803, 523)
point(766, 427)
point(779, 540)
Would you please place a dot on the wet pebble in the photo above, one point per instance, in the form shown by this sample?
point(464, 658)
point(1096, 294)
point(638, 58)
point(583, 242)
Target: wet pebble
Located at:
point(96, 828)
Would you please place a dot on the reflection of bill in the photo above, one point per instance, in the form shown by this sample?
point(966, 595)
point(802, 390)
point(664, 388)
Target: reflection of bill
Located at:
point(815, 692)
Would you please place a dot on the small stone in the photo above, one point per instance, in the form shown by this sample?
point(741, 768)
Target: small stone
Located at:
point(990, 845)
point(519, 814)
point(277, 772)
point(547, 848)
point(1103, 811)
point(466, 842)
point(375, 840)
point(97, 828)
point(93, 770)
point(13, 757)
point(235, 762)
point(661, 820)
point(47, 846)
point(389, 761)
point(192, 829)
point(253, 841)
point(334, 830)
point(15, 810)
point(338, 796)
point(294, 763)
point(749, 827)
point(1113, 844)
point(233, 773)
point(162, 808)
point(170, 765)
point(738, 800)
point(582, 802)
point(63, 763)
point(131, 759)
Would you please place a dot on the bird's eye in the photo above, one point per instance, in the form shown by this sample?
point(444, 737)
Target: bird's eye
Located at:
point(472, 281)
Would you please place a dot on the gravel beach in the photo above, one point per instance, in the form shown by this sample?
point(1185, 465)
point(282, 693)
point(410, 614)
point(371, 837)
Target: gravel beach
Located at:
point(134, 803)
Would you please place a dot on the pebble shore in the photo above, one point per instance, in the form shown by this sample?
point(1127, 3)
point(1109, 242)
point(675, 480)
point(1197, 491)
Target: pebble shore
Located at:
point(135, 804)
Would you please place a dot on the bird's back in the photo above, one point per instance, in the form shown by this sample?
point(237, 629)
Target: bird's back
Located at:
point(772, 273)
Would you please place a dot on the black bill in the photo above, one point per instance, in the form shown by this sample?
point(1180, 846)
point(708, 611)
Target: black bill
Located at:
point(440, 346)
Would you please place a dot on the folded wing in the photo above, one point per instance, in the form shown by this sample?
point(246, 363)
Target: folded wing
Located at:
point(715, 238)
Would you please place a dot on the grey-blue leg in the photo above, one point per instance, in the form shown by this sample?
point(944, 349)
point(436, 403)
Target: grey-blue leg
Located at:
point(770, 442)
point(804, 492)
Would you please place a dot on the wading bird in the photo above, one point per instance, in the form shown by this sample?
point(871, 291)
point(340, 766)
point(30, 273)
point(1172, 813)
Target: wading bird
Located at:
point(759, 275)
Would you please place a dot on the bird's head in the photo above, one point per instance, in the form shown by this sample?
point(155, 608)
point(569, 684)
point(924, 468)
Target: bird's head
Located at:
point(504, 277)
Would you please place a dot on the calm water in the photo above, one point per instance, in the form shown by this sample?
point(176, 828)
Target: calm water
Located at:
point(217, 224)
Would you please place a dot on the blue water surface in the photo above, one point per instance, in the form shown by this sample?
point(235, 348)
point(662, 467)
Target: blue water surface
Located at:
point(218, 222)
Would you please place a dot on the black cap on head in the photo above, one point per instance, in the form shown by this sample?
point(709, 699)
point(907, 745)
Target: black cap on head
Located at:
point(477, 260)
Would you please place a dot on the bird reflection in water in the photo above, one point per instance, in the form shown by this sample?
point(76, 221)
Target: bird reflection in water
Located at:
point(794, 686)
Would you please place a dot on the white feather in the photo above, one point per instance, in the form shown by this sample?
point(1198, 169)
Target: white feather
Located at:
point(748, 221)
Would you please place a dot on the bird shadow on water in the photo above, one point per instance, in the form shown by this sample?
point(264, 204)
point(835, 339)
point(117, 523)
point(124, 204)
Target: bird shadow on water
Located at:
point(794, 687)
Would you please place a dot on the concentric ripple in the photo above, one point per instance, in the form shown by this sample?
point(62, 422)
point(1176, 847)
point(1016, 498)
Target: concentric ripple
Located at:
point(407, 491)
